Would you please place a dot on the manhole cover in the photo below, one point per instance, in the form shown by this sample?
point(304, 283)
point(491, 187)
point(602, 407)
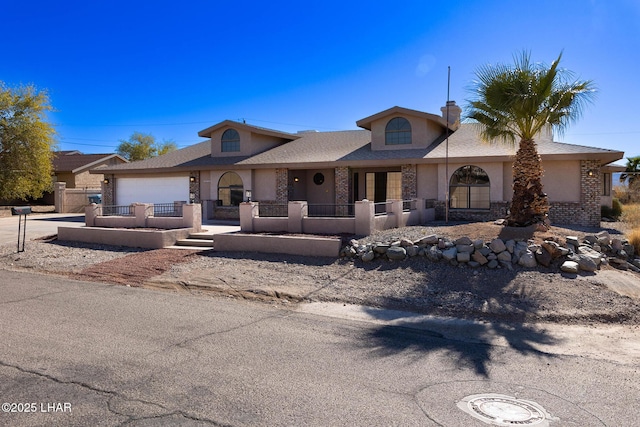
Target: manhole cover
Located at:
point(501, 410)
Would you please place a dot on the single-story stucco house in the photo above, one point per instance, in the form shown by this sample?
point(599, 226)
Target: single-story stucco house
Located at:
point(398, 153)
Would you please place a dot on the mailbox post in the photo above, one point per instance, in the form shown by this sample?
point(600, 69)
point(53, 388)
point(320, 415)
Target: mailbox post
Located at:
point(21, 211)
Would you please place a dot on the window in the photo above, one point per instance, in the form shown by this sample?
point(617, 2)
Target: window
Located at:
point(469, 188)
point(606, 184)
point(230, 189)
point(230, 141)
point(398, 131)
point(381, 186)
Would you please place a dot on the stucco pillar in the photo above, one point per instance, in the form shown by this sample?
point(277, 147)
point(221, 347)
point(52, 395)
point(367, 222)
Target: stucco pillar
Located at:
point(590, 191)
point(296, 211)
point(365, 217)
point(396, 210)
point(90, 214)
point(248, 211)
point(58, 194)
point(141, 212)
point(192, 216)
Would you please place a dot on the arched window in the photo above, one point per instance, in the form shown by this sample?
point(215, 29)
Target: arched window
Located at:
point(398, 131)
point(230, 189)
point(469, 188)
point(230, 141)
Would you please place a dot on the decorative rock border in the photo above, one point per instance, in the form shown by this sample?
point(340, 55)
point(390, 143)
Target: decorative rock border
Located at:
point(586, 255)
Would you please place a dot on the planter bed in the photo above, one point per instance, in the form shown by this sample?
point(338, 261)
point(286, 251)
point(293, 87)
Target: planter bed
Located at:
point(290, 244)
point(131, 237)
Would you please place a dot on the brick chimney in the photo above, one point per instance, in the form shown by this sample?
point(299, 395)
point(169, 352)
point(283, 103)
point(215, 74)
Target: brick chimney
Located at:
point(454, 113)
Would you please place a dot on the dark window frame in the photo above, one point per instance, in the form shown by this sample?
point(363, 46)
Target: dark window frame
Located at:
point(398, 132)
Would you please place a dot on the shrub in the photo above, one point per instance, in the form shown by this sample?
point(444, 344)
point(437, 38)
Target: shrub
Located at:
point(616, 208)
point(634, 239)
point(631, 215)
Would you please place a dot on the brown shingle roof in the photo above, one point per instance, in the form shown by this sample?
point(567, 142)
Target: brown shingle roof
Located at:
point(73, 161)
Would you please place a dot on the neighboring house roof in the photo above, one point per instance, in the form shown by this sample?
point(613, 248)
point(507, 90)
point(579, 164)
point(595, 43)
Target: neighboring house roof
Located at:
point(75, 162)
point(353, 148)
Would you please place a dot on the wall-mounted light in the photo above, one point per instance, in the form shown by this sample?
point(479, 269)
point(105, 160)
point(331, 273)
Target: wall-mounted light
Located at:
point(192, 179)
point(106, 181)
point(296, 179)
point(590, 172)
point(247, 194)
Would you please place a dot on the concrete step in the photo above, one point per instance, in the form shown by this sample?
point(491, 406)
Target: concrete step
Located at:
point(201, 236)
point(193, 248)
point(202, 243)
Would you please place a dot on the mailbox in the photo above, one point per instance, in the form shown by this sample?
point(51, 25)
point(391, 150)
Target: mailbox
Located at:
point(21, 210)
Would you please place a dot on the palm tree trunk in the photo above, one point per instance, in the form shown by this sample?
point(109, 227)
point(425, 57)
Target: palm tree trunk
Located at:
point(529, 204)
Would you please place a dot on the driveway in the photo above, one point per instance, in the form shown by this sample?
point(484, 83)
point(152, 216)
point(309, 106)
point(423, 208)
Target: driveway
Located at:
point(41, 225)
point(38, 225)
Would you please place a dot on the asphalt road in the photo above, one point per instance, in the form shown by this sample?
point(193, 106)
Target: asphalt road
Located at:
point(75, 353)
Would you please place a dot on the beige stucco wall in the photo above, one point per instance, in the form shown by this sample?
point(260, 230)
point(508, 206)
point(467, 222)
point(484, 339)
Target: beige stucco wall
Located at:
point(423, 133)
point(85, 179)
point(427, 177)
point(561, 180)
point(264, 184)
point(306, 189)
point(250, 143)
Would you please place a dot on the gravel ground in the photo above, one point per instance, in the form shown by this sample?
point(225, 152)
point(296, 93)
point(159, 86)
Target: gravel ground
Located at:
point(416, 284)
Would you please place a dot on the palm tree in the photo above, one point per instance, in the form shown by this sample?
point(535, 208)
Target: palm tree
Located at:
point(517, 102)
point(633, 171)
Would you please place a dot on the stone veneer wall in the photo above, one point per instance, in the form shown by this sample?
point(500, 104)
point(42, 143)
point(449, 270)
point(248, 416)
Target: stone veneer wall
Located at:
point(409, 182)
point(282, 185)
point(497, 210)
point(342, 185)
point(194, 187)
point(591, 190)
point(107, 190)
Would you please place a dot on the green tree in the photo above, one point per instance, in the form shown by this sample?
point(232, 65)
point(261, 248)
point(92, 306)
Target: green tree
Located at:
point(633, 171)
point(142, 146)
point(26, 142)
point(514, 103)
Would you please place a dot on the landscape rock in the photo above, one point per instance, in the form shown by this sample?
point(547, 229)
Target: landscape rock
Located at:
point(431, 239)
point(604, 238)
point(591, 253)
point(492, 264)
point(510, 245)
point(528, 260)
point(368, 256)
point(585, 263)
point(449, 254)
point(396, 253)
point(497, 246)
point(433, 253)
point(616, 244)
point(463, 241)
point(569, 267)
point(504, 256)
point(463, 256)
point(465, 248)
point(573, 240)
point(479, 258)
point(405, 243)
point(412, 250)
point(543, 257)
point(629, 249)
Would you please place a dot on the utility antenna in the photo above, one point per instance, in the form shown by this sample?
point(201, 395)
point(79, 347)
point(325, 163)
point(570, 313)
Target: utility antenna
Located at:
point(446, 155)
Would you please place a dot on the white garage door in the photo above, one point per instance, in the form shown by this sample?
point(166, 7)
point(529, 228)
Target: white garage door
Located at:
point(152, 190)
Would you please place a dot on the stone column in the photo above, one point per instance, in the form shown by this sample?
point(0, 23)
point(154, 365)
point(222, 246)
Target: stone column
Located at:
point(194, 186)
point(341, 189)
point(282, 185)
point(590, 191)
point(108, 196)
point(409, 182)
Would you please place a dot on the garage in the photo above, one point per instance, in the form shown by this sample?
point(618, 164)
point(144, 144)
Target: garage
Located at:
point(152, 190)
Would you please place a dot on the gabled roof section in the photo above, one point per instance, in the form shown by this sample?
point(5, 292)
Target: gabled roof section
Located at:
point(75, 162)
point(400, 111)
point(193, 155)
point(313, 147)
point(206, 133)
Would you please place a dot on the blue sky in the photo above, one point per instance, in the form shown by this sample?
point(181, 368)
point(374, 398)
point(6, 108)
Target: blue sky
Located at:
point(173, 68)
